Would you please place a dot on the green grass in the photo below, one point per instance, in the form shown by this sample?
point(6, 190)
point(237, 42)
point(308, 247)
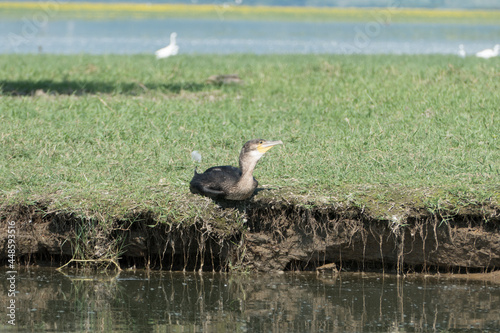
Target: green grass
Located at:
point(113, 134)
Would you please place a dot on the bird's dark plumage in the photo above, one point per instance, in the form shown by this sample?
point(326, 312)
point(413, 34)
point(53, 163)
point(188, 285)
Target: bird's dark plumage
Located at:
point(231, 183)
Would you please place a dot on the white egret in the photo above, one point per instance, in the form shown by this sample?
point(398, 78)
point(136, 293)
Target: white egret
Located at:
point(489, 53)
point(461, 51)
point(169, 50)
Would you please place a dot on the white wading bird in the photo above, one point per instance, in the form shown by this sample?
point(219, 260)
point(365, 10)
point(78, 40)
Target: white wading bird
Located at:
point(169, 50)
point(461, 51)
point(489, 53)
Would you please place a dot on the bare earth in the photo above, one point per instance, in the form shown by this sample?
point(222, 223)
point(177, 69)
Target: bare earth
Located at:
point(276, 236)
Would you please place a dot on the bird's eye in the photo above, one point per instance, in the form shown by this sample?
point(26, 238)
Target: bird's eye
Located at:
point(261, 142)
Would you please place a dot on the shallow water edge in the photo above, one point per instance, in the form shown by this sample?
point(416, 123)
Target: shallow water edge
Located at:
point(48, 300)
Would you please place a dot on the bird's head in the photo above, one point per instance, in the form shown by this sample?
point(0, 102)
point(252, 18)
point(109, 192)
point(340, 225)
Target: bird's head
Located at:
point(256, 148)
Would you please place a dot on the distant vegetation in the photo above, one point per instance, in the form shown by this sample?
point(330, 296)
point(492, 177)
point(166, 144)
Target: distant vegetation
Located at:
point(96, 11)
point(469, 4)
point(472, 4)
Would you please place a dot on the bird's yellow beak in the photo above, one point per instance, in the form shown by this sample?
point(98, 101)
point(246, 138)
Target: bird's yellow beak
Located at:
point(266, 145)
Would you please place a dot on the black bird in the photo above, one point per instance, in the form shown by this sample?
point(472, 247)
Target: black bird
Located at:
point(231, 183)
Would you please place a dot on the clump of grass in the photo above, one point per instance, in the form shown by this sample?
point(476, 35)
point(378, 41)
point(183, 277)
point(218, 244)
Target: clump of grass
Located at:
point(112, 134)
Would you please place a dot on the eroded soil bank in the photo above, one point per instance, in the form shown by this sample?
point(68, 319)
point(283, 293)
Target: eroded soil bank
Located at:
point(264, 236)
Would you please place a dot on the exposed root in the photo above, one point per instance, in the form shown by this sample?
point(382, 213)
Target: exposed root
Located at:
point(104, 263)
point(277, 236)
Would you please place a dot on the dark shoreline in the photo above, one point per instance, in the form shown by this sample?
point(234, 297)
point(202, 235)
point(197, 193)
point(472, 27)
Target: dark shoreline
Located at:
point(275, 236)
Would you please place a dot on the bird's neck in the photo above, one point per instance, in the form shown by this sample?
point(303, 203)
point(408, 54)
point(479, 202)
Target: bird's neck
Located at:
point(247, 167)
point(246, 180)
point(248, 161)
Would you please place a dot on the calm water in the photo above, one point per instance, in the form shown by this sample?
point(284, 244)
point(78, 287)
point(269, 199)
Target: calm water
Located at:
point(222, 36)
point(49, 301)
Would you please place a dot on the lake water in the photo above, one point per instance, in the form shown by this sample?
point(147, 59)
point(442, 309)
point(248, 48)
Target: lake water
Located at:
point(50, 301)
point(203, 36)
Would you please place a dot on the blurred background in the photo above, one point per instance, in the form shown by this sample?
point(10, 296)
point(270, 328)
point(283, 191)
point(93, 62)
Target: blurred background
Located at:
point(250, 26)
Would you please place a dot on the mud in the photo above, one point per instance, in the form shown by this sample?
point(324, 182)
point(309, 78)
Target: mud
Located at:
point(276, 236)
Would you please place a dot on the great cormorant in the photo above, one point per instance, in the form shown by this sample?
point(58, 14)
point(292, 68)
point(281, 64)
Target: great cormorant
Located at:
point(231, 183)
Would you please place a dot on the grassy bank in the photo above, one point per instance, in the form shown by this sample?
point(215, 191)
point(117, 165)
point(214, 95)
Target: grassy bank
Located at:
point(107, 135)
point(61, 10)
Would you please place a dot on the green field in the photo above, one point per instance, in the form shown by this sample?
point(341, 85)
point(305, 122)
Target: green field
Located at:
point(108, 135)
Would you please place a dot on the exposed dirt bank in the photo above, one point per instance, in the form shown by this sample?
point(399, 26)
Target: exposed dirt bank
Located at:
point(263, 235)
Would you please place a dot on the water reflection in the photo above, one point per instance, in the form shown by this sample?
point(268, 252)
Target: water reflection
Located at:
point(159, 301)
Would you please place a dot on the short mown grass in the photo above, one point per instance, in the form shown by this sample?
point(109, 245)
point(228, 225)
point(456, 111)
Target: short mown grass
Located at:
point(113, 134)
